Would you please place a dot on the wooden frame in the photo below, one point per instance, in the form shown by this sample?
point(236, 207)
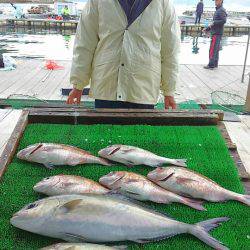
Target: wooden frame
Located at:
point(78, 115)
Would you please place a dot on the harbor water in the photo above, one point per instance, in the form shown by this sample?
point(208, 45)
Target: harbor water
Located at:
point(58, 45)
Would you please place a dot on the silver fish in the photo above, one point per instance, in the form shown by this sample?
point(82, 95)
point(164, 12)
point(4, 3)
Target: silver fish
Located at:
point(81, 246)
point(105, 218)
point(50, 155)
point(140, 188)
point(132, 156)
point(188, 183)
point(69, 184)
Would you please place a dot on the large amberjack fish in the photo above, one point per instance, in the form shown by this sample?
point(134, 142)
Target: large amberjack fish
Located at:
point(50, 155)
point(81, 246)
point(106, 218)
point(69, 184)
point(191, 184)
point(140, 188)
point(132, 156)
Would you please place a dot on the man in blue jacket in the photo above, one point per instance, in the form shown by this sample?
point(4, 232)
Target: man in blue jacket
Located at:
point(199, 12)
point(216, 29)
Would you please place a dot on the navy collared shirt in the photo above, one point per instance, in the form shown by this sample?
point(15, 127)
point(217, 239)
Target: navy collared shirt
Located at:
point(130, 3)
point(133, 8)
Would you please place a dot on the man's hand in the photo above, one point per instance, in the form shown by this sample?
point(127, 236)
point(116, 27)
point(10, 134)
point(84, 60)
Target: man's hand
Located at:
point(170, 102)
point(74, 96)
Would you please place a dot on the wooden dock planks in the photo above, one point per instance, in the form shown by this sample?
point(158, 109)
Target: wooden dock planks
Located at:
point(195, 83)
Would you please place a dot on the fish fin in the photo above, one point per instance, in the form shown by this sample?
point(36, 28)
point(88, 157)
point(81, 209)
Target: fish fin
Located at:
point(129, 165)
point(105, 162)
point(121, 193)
point(181, 163)
point(71, 205)
point(201, 229)
point(73, 238)
point(38, 146)
point(244, 199)
point(115, 191)
point(125, 151)
point(196, 204)
point(125, 189)
point(143, 241)
point(131, 194)
point(49, 165)
point(183, 180)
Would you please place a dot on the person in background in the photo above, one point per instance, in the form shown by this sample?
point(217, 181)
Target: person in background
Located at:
point(216, 29)
point(65, 13)
point(1, 61)
point(199, 12)
point(129, 50)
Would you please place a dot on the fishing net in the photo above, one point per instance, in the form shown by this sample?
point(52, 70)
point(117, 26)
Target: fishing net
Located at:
point(228, 101)
point(20, 101)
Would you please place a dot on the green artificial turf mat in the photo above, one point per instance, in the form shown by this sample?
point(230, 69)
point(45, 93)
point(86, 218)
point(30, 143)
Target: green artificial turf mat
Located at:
point(202, 146)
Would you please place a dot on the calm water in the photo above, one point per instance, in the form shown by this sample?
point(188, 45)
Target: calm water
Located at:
point(58, 45)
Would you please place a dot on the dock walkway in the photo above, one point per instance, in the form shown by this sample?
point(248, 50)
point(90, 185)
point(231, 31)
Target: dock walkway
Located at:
point(195, 83)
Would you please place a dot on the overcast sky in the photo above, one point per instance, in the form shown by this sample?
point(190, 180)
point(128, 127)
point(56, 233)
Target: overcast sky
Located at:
point(229, 3)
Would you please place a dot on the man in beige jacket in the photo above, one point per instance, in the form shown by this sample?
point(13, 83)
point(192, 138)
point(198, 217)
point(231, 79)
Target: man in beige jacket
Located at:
point(128, 49)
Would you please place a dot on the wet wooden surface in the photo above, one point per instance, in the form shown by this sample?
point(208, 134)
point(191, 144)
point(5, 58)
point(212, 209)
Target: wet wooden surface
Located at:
point(8, 121)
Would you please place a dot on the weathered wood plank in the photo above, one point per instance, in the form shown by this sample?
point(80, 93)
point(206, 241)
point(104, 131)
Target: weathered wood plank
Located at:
point(13, 142)
point(240, 134)
point(80, 117)
point(244, 175)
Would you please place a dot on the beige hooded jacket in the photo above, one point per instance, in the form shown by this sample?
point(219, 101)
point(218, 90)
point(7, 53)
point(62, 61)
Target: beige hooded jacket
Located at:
point(126, 63)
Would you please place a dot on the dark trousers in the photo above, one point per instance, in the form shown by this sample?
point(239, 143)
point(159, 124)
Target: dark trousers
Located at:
point(120, 105)
point(214, 51)
point(198, 18)
point(1, 61)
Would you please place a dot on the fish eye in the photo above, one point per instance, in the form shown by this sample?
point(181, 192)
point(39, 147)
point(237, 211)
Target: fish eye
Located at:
point(111, 174)
point(47, 178)
point(30, 206)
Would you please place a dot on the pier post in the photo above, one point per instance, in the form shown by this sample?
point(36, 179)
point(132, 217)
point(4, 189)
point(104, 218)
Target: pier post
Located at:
point(245, 62)
point(247, 106)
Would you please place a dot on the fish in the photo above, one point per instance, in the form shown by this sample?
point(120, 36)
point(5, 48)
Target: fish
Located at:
point(140, 188)
point(81, 246)
point(51, 155)
point(106, 218)
point(133, 156)
point(188, 183)
point(68, 184)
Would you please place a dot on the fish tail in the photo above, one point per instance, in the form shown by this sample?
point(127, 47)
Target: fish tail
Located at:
point(243, 198)
point(180, 163)
point(200, 230)
point(194, 204)
point(104, 162)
